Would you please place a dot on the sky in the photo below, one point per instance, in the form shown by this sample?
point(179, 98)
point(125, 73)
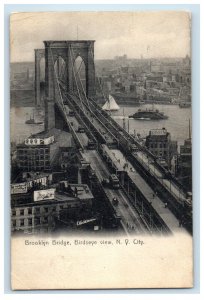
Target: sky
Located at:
point(150, 34)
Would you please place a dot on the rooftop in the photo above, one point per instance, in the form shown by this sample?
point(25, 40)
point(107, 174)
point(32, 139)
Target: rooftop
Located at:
point(62, 138)
point(28, 176)
point(83, 193)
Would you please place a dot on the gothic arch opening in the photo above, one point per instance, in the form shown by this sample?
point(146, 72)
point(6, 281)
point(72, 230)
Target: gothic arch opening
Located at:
point(42, 69)
point(60, 69)
point(80, 75)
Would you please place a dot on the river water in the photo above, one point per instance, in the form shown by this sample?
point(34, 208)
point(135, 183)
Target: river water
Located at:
point(19, 130)
point(177, 123)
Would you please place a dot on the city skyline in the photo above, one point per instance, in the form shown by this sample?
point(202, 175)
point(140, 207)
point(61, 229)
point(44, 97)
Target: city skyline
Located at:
point(135, 34)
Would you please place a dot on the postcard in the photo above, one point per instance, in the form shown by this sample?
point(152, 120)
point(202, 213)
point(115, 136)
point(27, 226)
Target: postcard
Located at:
point(101, 150)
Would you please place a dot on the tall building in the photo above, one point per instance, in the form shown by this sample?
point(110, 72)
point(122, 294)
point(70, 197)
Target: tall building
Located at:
point(160, 144)
point(42, 211)
point(40, 152)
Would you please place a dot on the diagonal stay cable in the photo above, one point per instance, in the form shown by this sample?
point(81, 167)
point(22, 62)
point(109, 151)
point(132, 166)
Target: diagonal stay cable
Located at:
point(82, 85)
point(72, 64)
point(64, 108)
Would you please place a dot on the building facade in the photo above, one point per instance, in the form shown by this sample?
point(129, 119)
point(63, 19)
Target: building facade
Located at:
point(160, 144)
point(31, 216)
point(33, 158)
point(184, 169)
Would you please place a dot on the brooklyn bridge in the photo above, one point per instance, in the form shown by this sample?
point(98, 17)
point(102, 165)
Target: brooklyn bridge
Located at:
point(149, 197)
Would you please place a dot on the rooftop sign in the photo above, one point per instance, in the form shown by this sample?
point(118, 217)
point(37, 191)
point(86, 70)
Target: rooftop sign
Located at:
point(39, 141)
point(18, 188)
point(44, 195)
point(158, 131)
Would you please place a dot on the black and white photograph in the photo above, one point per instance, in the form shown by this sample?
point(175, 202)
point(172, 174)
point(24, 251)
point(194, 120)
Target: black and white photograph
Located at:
point(101, 134)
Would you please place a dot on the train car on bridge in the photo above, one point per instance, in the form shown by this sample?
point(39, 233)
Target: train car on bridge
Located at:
point(91, 144)
point(114, 181)
point(113, 163)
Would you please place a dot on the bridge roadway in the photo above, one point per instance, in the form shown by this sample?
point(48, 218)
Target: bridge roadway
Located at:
point(97, 119)
point(170, 186)
point(75, 126)
point(167, 216)
point(106, 134)
point(130, 219)
point(143, 155)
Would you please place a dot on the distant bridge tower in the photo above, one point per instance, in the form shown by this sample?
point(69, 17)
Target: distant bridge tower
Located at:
point(68, 51)
point(39, 54)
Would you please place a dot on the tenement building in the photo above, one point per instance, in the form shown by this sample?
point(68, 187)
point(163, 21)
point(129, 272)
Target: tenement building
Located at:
point(43, 211)
point(40, 152)
point(160, 144)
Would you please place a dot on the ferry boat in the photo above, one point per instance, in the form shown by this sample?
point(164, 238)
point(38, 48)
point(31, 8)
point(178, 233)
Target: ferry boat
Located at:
point(32, 121)
point(149, 114)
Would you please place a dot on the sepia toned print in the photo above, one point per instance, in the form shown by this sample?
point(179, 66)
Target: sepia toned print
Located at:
point(101, 151)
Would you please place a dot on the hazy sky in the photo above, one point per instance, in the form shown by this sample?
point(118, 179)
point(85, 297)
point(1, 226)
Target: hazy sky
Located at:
point(164, 34)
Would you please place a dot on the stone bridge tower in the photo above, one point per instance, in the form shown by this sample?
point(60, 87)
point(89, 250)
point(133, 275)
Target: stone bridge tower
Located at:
point(39, 54)
point(69, 51)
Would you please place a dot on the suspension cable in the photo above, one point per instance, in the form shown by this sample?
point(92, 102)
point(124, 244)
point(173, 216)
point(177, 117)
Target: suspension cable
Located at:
point(57, 80)
point(64, 108)
point(82, 86)
point(98, 78)
point(63, 70)
point(75, 79)
point(79, 69)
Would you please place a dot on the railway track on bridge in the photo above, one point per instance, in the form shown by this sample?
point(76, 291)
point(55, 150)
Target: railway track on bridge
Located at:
point(171, 190)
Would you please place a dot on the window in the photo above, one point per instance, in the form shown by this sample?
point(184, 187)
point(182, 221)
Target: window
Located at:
point(37, 221)
point(46, 209)
point(14, 223)
point(29, 211)
point(37, 210)
point(21, 212)
point(13, 212)
point(44, 220)
point(21, 222)
point(30, 222)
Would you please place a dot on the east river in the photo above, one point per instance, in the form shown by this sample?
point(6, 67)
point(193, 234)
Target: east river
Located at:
point(177, 123)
